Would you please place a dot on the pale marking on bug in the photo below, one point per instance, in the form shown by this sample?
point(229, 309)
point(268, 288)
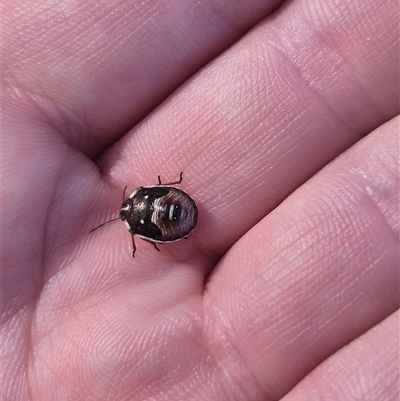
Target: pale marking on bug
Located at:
point(171, 212)
point(133, 193)
point(155, 216)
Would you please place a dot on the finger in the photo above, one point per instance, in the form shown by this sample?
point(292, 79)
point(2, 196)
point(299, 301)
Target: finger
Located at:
point(316, 273)
point(366, 370)
point(262, 119)
point(95, 69)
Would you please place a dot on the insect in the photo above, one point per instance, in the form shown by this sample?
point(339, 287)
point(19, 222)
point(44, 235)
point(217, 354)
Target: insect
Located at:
point(157, 214)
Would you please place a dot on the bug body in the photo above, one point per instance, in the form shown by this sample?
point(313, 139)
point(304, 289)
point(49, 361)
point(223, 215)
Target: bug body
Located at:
point(158, 214)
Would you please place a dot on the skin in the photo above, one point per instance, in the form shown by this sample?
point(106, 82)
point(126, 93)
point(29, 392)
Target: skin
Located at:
point(285, 124)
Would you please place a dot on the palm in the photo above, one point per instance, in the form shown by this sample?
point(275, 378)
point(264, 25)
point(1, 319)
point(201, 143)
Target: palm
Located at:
point(253, 300)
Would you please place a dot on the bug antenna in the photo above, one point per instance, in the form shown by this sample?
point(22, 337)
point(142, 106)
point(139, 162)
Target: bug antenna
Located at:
point(102, 224)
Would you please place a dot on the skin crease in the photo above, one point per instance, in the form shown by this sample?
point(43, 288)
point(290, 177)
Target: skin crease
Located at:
point(283, 117)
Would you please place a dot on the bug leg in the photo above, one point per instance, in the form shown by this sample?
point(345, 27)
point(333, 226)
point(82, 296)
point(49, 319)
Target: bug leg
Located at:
point(171, 183)
point(152, 243)
point(133, 246)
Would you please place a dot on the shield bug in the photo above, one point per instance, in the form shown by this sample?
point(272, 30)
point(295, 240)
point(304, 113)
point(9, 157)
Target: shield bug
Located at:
point(158, 213)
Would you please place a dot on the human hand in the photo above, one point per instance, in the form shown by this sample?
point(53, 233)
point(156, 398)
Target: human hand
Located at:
point(288, 287)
